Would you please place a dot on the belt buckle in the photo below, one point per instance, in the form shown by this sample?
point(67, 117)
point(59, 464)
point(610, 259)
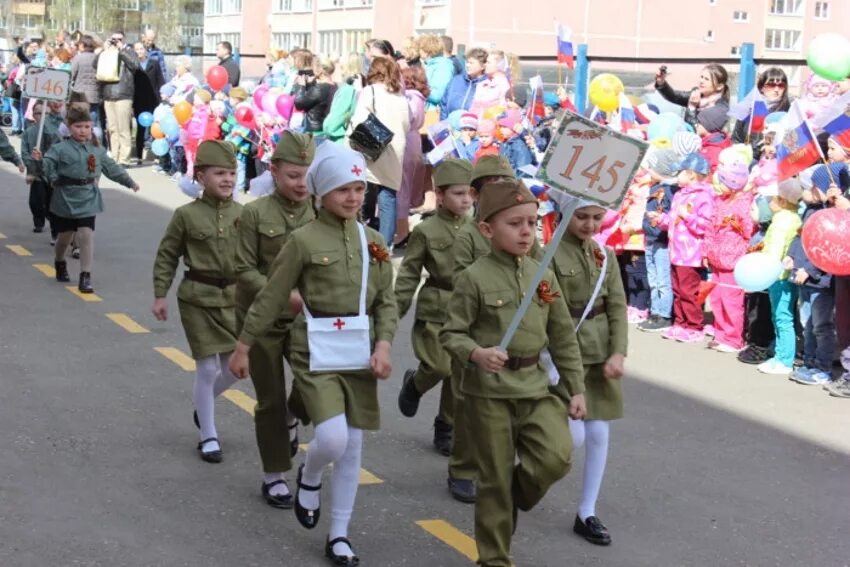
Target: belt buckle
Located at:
point(514, 363)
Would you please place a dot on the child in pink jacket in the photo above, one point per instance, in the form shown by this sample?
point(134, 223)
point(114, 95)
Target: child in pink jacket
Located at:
point(688, 221)
point(726, 242)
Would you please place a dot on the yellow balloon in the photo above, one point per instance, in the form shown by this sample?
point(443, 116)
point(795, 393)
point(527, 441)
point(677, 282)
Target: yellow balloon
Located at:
point(605, 90)
point(493, 112)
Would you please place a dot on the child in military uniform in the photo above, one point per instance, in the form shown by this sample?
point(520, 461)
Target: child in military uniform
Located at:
point(519, 427)
point(204, 233)
point(430, 247)
point(73, 167)
point(339, 343)
point(40, 190)
point(265, 226)
point(8, 153)
point(597, 303)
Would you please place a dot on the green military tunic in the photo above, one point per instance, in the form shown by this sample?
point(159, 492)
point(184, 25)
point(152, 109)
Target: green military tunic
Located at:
point(323, 261)
point(49, 137)
point(80, 162)
point(265, 226)
point(430, 247)
point(513, 411)
point(602, 335)
point(7, 152)
point(204, 233)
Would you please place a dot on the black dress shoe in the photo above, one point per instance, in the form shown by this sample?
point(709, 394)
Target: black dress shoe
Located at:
point(753, 355)
point(195, 419)
point(443, 437)
point(307, 518)
point(293, 444)
point(593, 530)
point(75, 253)
point(61, 271)
point(283, 502)
point(462, 490)
point(38, 229)
point(408, 396)
point(85, 283)
point(210, 456)
point(346, 560)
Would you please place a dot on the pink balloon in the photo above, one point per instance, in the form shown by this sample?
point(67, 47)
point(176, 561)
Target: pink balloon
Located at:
point(825, 241)
point(258, 95)
point(269, 100)
point(285, 105)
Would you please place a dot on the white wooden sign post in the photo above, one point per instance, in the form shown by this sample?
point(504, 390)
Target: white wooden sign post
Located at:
point(46, 84)
point(588, 161)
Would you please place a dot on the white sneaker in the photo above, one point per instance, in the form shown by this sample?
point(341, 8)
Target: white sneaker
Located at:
point(773, 366)
point(723, 347)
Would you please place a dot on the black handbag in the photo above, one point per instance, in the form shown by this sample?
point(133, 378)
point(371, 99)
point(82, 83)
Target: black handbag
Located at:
point(371, 137)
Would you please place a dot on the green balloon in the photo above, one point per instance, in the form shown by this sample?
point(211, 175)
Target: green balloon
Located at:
point(829, 56)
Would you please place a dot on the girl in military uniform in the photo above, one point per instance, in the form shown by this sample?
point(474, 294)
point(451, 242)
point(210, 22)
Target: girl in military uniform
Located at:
point(204, 233)
point(590, 278)
point(339, 342)
point(266, 225)
point(73, 168)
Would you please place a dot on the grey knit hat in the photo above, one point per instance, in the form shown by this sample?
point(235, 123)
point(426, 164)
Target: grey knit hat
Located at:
point(686, 143)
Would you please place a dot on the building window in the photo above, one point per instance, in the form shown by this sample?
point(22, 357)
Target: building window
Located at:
point(330, 42)
point(211, 40)
point(785, 7)
point(736, 50)
point(821, 10)
point(290, 6)
point(709, 35)
point(131, 5)
point(740, 16)
point(355, 40)
point(218, 7)
point(291, 40)
point(341, 4)
point(782, 40)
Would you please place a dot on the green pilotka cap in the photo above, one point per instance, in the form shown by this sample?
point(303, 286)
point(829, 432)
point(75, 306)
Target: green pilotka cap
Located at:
point(215, 153)
point(488, 166)
point(452, 172)
point(295, 148)
point(501, 195)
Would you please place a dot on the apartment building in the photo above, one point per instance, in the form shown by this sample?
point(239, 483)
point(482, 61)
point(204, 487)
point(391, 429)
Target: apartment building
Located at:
point(628, 28)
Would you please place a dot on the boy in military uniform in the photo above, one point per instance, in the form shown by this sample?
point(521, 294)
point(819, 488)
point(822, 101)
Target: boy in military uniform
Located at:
point(205, 233)
point(341, 339)
point(8, 153)
point(73, 167)
point(265, 226)
point(40, 190)
point(602, 338)
point(512, 415)
point(430, 247)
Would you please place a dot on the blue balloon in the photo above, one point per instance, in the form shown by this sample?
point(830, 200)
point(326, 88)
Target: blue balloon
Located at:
point(169, 126)
point(145, 119)
point(454, 119)
point(160, 147)
point(664, 126)
point(757, 271)
point(775, 117)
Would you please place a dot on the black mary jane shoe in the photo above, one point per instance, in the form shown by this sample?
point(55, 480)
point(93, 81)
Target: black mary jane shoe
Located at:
point(195, 419)
point(307, 518)
point(85, 283)
point(210, 456)
point(443, 433)
point(462, 489)
point(61, 268)
point(408, 396)
point(283, 502)
point(593, 530)
point(346, 560)
point(293, 443)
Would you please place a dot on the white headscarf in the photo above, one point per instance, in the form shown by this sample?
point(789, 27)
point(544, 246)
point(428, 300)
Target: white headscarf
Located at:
point(334, 166)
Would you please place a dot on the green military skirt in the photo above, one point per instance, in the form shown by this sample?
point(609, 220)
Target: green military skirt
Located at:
point(604, 397)
point(319, 396)
point(209, 330)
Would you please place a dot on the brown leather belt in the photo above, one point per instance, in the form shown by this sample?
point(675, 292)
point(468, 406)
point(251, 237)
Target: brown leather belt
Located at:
point(518, 362)
point(430, 282)
point(597, 309)
point(62, 181)
point(221, 283)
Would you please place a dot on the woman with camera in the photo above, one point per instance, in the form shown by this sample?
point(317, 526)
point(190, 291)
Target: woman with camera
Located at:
point(313, 90)
point(712, 90)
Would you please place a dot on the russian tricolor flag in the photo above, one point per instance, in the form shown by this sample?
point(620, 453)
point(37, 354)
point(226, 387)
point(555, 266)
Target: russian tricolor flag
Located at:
point(798, 149)
point(753, 109)
point(836, 120)
point(627, 114)
point(565, 45)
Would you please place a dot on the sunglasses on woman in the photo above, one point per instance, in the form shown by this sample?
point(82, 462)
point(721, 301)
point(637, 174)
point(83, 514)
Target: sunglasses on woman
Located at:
point(775, 83)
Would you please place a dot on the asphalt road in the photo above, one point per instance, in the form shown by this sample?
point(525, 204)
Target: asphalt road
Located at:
point(714, 464)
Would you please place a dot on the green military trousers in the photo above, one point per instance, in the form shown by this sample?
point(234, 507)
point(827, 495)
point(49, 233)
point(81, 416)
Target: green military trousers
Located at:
point(536, 431)
point(435, 366)
point(265, 361)
point(462, 459)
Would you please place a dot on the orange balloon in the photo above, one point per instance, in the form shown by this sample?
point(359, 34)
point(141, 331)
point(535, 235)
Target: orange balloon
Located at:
point(183, 112)
point(156, 131)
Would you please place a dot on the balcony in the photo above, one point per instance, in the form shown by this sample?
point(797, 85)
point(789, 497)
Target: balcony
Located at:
point(29, 8)
point(345, 4)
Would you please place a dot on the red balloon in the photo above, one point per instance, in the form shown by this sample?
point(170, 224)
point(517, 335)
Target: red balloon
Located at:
point(217, 77)
point(245, 116)
point(826, 242)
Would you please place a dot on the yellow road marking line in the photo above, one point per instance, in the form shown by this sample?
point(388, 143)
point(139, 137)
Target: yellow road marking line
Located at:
point(451, 536)
point(19, 250)
point(126, 323)
point(45, 269)
point(365, 476)
point(88, 297)
point(241, 399)
point(178, 357)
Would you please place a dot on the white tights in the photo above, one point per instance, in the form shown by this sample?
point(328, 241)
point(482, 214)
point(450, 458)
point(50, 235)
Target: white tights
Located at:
point(212, 377)
point(594, 435)
point(334, 441)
